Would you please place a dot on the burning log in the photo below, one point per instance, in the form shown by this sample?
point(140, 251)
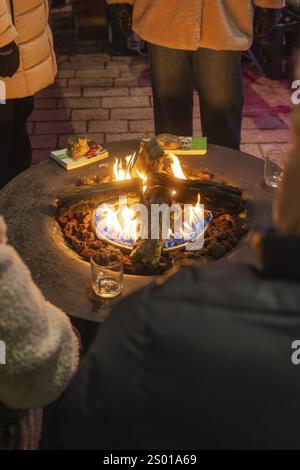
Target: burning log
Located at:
point(98, 191)
point(150, 158)
point(148, 252)
point(215, 196)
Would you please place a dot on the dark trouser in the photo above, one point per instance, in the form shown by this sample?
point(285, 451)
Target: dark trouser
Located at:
point(217, 76)
point(15, 155)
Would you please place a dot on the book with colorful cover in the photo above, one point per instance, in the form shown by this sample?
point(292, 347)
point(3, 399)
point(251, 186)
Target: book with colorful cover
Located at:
point(190, 146)
point(64, 158)
point(182, 145)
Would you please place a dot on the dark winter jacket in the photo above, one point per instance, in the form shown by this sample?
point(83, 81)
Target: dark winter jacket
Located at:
point(204, 361)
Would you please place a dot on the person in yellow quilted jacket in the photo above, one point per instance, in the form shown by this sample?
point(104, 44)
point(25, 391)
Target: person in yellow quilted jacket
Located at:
point(198, 43)
point(27, 65)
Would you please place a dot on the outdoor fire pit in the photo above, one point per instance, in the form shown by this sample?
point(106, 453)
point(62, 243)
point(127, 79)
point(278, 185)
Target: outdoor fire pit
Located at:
point(40, 203)
point(103, 214)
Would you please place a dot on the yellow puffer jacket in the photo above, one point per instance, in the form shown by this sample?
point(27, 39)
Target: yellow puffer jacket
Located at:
point(190, 24)
point(26, 22)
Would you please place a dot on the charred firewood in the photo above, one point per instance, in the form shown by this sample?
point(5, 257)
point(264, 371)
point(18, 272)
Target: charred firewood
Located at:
point(162, 179)
point(150, 158)
point(214, 196)
point(99, 191)
point(157, 195)
point(147, 253)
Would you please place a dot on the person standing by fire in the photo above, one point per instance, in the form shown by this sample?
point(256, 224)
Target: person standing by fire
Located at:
point(41, 352)
point(199, 43)
point(27, 65)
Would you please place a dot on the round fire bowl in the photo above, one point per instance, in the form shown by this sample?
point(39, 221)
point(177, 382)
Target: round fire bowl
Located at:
point(28, 204)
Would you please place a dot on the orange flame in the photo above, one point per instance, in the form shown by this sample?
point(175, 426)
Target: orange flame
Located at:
point(176, 167)
point(122, 224)
point(121, 172)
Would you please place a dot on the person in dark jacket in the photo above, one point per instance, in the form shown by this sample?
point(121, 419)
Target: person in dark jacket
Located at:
point(204, 361)
point(201, 362)
point(208, 359)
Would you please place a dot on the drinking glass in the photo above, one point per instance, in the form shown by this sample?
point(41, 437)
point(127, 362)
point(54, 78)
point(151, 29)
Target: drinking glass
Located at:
point(107, 275)
point(274, 167)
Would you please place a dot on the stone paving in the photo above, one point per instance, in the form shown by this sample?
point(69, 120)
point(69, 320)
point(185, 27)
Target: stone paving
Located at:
point(109, 99)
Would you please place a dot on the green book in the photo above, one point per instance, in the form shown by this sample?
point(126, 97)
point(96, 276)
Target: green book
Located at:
point(196, 145)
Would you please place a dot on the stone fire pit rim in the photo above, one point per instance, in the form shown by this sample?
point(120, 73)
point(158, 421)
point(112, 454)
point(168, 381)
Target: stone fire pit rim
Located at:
point(28, 205)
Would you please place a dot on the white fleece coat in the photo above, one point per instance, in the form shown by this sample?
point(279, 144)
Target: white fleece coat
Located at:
point(41, 347)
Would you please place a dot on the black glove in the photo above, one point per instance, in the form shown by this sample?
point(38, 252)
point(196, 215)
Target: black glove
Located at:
point(9, 60)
